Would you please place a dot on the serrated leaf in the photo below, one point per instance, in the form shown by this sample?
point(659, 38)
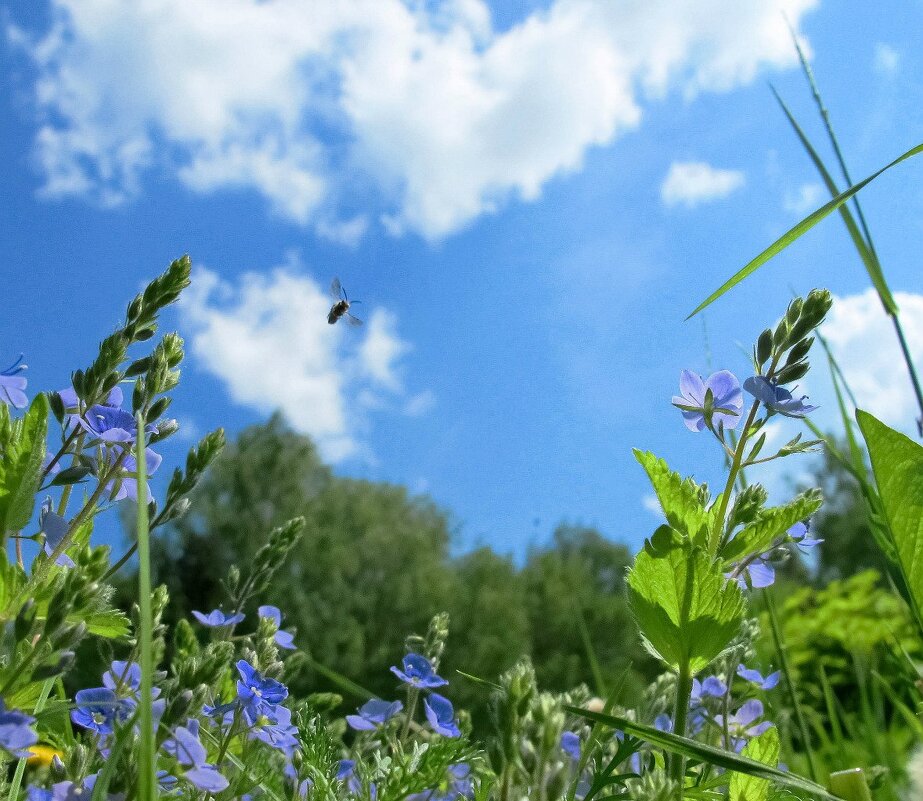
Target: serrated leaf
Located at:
point(684, 502)
point(897, 462)
point(798, 230)
point(765, 749)
point(769, 525)
point(22, 452)
point(111, 624)
point(686, 610)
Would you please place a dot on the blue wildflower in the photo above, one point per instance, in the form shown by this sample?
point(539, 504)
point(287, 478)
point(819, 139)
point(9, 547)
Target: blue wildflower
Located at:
point(110, 424)
point(373, 713)
point(185, 746)
point(777, 398)
point(712, 687)
point(570, 744)
point(726, 399)
point(757, 678)
point(283, 639)
point(98, 709)
point(217, 618)
point(71, 402)
point(417, 671)
point(54, 527)
point(663, 723)
point(274, 727)
point(255, 692)
point(799, 535)
point(126, 485)
point(346, 772)
point(16, 734)
point(742, 725)
point(12, 385)
point(441, 715)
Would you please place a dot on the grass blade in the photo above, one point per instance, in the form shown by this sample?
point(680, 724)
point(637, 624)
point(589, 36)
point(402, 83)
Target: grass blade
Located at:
point(866, 253)
point(707, 753)
point(799, 230)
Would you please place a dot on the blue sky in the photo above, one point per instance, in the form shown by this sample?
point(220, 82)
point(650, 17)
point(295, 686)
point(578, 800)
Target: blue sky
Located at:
point(527, 197)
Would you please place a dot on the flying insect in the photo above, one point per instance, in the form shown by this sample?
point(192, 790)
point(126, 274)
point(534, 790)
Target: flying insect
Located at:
point(341, 305)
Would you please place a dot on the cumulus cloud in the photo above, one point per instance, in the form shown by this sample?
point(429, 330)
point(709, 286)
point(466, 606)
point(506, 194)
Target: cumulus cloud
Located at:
point(691, 183)
point(887, 60)
point(267, 339)
point(439, 114)
point(862, 339)
point(805, 199)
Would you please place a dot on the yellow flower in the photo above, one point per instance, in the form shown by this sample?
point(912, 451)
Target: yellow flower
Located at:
point(41, 755)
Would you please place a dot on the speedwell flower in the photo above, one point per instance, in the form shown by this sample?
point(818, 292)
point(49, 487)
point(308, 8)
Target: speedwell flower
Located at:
point(417, 671)
point(757, 678)
point(373, 713)
point(54, 527)
point(284, 639)
point(12, 385)
point(255, 691)
point(777, 398)
point(718, 395)
point(742, 725)
point(217, 618)
point(570, 744)
point(16, 734)
point(98, 709)
point(185, 746)
point(441, 715)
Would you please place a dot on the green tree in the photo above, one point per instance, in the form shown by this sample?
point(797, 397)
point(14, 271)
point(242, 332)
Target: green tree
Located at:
point(582, 575)
point(374, 565)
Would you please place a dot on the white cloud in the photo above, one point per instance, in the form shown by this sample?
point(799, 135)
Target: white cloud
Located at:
point(863, 341)
point(267, 338)
point(887, 60)
point(652, 505)
point(440, 115)
point(806, 199)
point(691, 183)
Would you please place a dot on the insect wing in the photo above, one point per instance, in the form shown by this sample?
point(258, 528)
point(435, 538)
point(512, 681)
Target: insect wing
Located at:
point(352, 320)
point(336, 290)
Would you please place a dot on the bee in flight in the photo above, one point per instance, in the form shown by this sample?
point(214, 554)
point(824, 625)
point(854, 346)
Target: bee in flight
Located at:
point(341, 305)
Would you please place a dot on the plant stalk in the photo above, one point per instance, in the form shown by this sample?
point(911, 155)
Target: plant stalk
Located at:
point(147, 772)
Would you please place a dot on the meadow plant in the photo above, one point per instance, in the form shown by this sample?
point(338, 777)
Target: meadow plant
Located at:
point(204, 710)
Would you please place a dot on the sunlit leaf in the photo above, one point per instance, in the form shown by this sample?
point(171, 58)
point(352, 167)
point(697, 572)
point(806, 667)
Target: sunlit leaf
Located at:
point(687, 611)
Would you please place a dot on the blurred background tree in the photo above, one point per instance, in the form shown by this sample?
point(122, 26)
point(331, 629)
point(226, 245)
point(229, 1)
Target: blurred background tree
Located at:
point(375, 564)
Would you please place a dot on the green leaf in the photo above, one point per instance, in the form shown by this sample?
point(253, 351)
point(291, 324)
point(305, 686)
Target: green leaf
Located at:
point(705, 753)
point(687, 611)
point(110, 624)
point(22, 452)
point(897, 462)
point(801, 228)
point(765, 749)
point(683, 501)
point(770, 524)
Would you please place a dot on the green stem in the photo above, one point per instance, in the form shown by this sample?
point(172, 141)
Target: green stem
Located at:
point(146, 768)
point(718, 532)
point(680, 713)
point(21, 765)
point(789, 682)
point(83, 514)
point(412, 695)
